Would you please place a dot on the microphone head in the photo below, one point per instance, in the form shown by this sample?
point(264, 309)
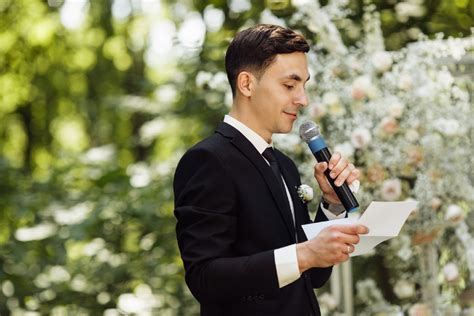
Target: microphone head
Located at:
point(309, 130)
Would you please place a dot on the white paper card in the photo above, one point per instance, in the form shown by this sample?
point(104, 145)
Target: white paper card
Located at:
point(384, 220)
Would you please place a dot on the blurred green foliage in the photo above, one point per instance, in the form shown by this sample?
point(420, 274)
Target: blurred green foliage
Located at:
point(90, 133)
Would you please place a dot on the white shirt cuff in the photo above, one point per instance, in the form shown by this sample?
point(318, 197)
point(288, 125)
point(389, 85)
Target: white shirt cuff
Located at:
point(286, 263)
point(330, 215)
point(354, 187)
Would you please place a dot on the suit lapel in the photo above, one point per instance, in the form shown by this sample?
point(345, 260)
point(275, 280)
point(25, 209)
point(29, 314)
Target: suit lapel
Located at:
point(247, 149)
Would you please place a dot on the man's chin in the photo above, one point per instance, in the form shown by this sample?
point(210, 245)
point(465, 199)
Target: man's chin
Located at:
point(285, 129)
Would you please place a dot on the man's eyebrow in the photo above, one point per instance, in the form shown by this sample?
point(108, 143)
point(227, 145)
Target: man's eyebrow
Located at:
point(296, 77)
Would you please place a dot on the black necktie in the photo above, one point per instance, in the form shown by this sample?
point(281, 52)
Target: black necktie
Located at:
point(269, 154)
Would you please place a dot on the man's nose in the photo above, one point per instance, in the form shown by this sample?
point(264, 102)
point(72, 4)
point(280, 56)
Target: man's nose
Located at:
point(302, 99)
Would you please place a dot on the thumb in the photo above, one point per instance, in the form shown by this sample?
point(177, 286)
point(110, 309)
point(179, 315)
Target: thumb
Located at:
point(319, 169)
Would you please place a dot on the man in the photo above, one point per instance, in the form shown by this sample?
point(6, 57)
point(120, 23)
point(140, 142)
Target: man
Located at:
point(239, 216)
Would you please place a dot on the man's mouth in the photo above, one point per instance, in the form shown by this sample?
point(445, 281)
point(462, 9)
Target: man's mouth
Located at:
point(295, 115)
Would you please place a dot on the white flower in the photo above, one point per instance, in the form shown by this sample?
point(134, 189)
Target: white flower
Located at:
point(331, 98)
point(407, 9)
point(58, 274)
point(346, 149)
point(405, 82)
point(389, 125)
point(267, 17)
point(141, 302)
point(435, 203)
point(79, 283)
point(337, 109)
point(38, 232)
point(391, 189)
point(327, 300)
point(219, 82)
point(192, 31)
point(361, 137)
point(448, 127)
point(203, 78)
point(214, 18)
point(305, 192)
point(395, 109)
point(333, 103)
point(239, 6)
point(300, 3)
point(140, 175)
point(166, 93)
point(404, 289)
point(74, 215)
point(317, 110)
point(405, 253)
point(93, 247)
point(419, 310)
point(150, 130)
point(382, 61)
point(361, 87)
point(451, 272)
point(412, 135)
point(354, 64)
point(454, 214)
point(103, 298)
point(445, 79)
point(98, 155)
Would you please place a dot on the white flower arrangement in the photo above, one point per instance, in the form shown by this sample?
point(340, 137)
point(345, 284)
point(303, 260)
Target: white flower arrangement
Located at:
point(451, 272)
point(403, 119)
point(305, 192)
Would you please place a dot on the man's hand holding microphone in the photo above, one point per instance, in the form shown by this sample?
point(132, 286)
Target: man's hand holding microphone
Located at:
point(334, 174)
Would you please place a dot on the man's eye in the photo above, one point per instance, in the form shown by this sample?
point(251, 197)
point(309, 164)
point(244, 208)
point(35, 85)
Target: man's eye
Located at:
point(289, 87)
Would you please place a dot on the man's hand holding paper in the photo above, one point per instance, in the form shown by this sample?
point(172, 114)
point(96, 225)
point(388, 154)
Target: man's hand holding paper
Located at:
point(384, 220)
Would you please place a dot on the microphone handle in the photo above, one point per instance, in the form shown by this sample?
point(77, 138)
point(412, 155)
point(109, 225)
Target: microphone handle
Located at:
point(343, 192)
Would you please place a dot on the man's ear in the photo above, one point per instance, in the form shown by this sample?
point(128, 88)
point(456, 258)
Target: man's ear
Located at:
point(245, 83)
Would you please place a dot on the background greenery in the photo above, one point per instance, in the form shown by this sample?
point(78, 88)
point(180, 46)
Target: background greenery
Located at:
point(93, 118)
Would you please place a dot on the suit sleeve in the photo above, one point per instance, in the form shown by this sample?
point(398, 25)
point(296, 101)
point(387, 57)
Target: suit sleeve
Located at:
point(207, 213)
point(319, 276)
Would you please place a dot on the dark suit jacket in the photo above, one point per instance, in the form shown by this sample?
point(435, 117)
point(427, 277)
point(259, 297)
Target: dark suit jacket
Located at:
point(231, 217)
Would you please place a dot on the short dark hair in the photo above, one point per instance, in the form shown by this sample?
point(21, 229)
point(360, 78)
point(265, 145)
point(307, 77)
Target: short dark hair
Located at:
point(255, 48)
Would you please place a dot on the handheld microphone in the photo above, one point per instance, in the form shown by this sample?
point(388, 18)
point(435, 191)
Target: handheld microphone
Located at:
point(309, 132)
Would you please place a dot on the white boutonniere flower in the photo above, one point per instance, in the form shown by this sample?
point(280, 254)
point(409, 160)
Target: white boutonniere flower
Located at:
point(305, 192)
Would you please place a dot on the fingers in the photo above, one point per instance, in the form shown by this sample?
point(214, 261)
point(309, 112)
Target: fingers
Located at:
point(334, 160)
point(319, 169)
point(354, 175)
point(350, 249)
point(332, 245)
point(343, 234)
point(344, 238)
point(352, 229)
point(337, 164)
point(347, 249)
point(342, 170)
point(344, 175)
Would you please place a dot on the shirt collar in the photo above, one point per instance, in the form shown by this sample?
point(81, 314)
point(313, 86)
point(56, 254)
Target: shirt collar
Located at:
point(257, 141)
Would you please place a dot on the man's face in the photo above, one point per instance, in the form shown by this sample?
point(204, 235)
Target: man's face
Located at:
point(279, 94)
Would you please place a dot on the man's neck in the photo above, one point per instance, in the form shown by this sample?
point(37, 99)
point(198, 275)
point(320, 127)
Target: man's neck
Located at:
point(250, 122)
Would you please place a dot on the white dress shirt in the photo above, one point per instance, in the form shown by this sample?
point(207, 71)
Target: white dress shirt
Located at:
point(286, 261)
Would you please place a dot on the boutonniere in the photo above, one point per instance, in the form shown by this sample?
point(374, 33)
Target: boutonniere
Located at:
point(305, 192)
